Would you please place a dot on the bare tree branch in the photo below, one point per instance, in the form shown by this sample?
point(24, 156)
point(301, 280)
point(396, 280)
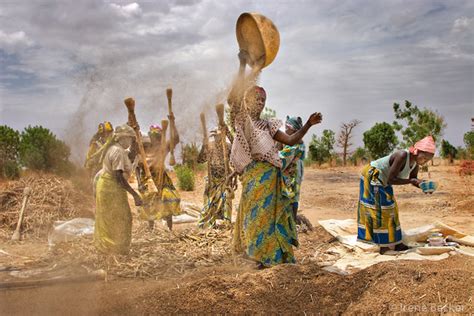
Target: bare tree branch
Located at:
point(344, 137)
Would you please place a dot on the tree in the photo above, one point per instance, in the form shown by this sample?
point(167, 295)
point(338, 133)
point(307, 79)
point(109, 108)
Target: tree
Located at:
point(359, 154)
point(380, 140)
point(345, 135)
point(9, 146)
point(320, 149)
point(41, 150)
point(469, 142)
point(419, 123)
point(448, 151)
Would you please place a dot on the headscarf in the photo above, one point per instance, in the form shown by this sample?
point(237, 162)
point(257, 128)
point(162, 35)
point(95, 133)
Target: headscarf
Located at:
point(427, 144)
point(123, 131)
point(155, 134)
point(155, 129)
point(100, 128)
point(105, 127)
point(294, 122)
point(254, 101)
point(108, 126)
point(120, 131)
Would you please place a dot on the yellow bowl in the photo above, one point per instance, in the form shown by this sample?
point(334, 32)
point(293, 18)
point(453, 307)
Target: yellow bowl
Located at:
point(257, 35)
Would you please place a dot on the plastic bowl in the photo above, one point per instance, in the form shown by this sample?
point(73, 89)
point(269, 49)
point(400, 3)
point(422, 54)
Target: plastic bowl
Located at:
point(428, 186)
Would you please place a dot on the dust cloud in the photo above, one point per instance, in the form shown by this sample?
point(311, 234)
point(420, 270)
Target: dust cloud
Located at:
point(104, 87)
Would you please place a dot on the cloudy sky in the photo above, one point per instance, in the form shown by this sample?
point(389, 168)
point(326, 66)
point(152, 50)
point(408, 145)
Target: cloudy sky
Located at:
point(68, 65)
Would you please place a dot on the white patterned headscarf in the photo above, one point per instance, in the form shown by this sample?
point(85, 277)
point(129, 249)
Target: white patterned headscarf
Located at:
point(123, 131)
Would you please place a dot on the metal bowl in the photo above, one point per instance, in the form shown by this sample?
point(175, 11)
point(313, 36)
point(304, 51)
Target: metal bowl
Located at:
point(436, 241)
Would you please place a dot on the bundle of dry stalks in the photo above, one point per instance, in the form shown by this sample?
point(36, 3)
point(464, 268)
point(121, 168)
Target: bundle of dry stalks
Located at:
point(156, 254)
point(52, 198)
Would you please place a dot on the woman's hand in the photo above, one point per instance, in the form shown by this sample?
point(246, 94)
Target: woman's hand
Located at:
point(416, 182)
point(296, 137)
point(315, 118)
point(243, 57)
point(231, 181)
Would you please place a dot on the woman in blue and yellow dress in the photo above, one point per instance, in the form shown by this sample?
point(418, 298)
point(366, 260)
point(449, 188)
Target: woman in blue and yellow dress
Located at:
point(377, 212)
point(265, 229)
point(292, 159)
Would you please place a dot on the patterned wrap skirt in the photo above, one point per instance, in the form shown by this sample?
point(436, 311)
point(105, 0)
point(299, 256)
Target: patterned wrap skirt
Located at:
point(217, 205)
point(169, 205)
point(113, 218)
point(265, 229)
point(377, 212)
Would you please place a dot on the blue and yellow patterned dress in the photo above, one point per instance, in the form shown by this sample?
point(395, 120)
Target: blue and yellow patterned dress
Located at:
point(292, 159)
point(265, 229)
point(377, 212)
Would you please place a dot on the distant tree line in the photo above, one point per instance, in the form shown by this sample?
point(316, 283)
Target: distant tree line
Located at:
point(35, 148)
point(381, 139)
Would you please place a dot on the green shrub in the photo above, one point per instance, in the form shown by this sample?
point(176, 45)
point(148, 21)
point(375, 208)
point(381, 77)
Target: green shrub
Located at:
point(201, 167)
point(321, 148)
point(307, 162)
point(9, 147)
point(190, 154)
point(11, 170)
point(41, 150)
point(360, 155)
point(185, 177)
point(337, 160)
point(469, 142)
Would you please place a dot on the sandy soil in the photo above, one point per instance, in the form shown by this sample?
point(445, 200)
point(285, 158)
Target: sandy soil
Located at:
point(444, 286)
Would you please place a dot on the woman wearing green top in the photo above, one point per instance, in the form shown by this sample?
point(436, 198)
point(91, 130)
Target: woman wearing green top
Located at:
point(377, 213)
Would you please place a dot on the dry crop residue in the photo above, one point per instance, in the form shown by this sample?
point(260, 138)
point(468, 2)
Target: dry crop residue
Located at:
point(52, 198)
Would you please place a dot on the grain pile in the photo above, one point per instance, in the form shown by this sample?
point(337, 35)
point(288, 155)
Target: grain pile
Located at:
point(152, 255)
point(52, 198)
point(386, 288)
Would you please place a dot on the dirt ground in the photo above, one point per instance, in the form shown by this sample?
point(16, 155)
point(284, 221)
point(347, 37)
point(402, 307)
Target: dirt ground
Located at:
point(304, 288)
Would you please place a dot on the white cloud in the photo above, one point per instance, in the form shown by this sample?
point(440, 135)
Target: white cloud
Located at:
point(462, 24)
point(127, 11)
point(348, 59)
point(157, 29)
point(14, 42)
